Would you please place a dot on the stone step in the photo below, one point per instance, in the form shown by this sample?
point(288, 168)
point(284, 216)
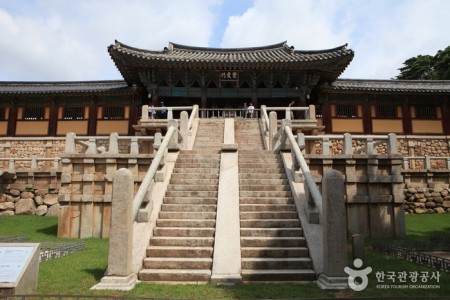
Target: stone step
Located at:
point(194, 175)
point(186, 223)
point(192, 187)
point(261, 170)
point(265, 194)
point(274, 252)
point(259, 241)
point(279, 275)
point(263, 181)
point(183, 231)
point(196, 165)
point(266, 200)
point(177, 263)
point(192, 181)
point(175, 251)
point(196, 171)
point(187, 215)
point(188, 275)
point(271, 232)
point(264, 187)
point(198, 160)
point(190, 200)
point(257, 176)
point(184, 241)
point(206, 194)
point(276, 263)
point(268, 215)
point(248, 166)
point(188, 208)
point(266, 207)
point(200, 152)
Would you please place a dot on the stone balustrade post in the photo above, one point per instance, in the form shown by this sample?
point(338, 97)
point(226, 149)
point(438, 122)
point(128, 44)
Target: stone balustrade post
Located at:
point(169, 113)
point(427, 162)
point(55, 164)
point(272, 129)
point(334, 227)
point(91, 146)
point(184, 130)
point(70, 143)
point(287, 114)
point(113, 143)
point(33, 163)
point(370, 150)
point(144, 116)
point(12, 166)
point(174, 140)
point(134, 146)
point(392, 144)
point(325, 146)
point(119, 274)
point(348, 149)
point(157, 141)
point(312, 112)
point(405, 164)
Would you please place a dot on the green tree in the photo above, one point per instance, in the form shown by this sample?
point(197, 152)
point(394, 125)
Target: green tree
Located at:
point(423, 67)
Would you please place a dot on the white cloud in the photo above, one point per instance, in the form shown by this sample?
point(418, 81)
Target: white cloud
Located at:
point(382, 33)
point(68, 40)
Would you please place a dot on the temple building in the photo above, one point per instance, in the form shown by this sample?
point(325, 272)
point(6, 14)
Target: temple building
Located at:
point(179, 75)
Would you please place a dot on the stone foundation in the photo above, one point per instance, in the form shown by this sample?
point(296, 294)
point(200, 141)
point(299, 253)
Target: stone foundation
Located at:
point(431, 198)
point(32, 193)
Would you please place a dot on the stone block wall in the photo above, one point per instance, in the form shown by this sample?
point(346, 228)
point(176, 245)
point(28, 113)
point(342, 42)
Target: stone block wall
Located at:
point(431, 198)
point(31, 193)
point(86, 191)
point(373, 191)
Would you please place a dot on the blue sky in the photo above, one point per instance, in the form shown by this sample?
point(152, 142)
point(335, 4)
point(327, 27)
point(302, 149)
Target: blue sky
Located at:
point(64, 40)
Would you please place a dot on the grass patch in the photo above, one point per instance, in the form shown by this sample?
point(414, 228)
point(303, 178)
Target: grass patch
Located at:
point(78, 272)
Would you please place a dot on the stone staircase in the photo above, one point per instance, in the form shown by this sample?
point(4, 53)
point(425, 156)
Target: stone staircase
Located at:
point(272, 243)
point(181, 248)
point(248, 134)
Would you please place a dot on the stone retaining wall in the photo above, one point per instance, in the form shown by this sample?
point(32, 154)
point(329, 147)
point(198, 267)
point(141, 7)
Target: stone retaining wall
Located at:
point(433, 198)
point(31, 194)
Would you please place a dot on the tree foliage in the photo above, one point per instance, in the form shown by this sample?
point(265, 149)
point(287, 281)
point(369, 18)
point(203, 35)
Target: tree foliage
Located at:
point(427, 67)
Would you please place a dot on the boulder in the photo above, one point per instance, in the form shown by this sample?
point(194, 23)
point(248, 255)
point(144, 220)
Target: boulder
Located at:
point(420, 211)
point(41, 210)
point(7, 206)
point(446, 204)
point(439, 210)
point(7, 213)
point(430, 205)
point(53, 211)
point(14, 192)
point(39, 200)
point(51, 199)
point(25, 207)
point(26, 195)
point(3, 198)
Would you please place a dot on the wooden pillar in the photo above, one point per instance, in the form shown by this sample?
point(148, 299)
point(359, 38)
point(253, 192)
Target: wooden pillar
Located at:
point(406, 117)
point(326, 116)
point(367, 116)
point(53, 122)
point(446, 116)
point(92, 122)
point(12, 119)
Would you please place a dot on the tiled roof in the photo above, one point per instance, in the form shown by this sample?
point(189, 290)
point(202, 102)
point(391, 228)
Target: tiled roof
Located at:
point(278, 56)
point(398, 86)
point(60, 87)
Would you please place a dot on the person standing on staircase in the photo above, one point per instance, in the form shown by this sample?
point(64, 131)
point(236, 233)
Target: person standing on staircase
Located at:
point(250, 110)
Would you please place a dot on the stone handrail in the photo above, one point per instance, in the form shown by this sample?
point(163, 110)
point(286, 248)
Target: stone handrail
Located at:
point(90, 142)
point(170, 109)
point(314, 198)
point(228, 113)
point(33, 163)
point(310, 114)
point(409, 162)
point(149, 176)
point(371, 141)
point(193, 116)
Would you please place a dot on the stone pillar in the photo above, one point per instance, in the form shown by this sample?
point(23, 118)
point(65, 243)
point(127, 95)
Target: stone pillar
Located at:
point(113, 143)
point(70, 143)
point(348, 150)
point(184, 130)
point(119, 275)
point(334, 232)
point(272, 128)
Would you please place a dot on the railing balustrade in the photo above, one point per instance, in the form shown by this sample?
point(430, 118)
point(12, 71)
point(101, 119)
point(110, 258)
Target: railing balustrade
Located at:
point(229, 113)
point(33, 162)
